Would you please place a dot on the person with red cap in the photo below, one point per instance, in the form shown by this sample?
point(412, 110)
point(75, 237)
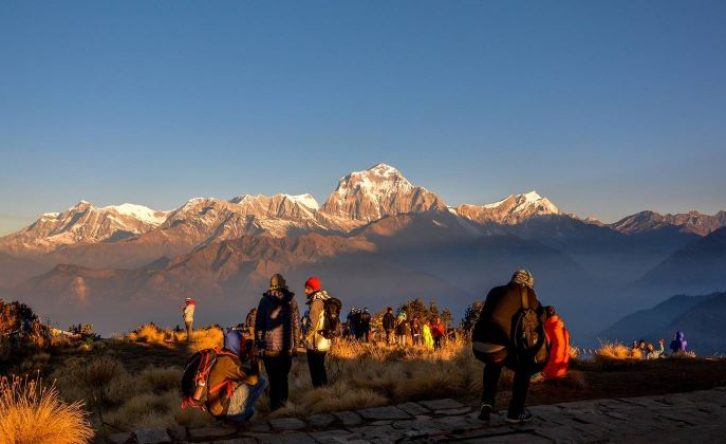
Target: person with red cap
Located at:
point(315, 342)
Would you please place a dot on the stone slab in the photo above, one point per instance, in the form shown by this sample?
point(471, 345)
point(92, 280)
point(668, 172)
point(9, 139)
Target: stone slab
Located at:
point(321, 420)
point(413, 409)
point(383, 413)
point(348, 418)
point(287, 424)
point(212, 433)
point(442, 404)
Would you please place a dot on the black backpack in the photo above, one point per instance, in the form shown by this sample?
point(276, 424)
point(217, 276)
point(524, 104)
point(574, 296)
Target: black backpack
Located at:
point(331, 308)
point(528, 337)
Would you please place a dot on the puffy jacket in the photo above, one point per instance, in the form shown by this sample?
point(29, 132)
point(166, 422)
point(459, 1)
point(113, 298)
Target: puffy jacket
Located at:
point(313, 339)
point(277, 325)
point(438, 330)
point(559, 339)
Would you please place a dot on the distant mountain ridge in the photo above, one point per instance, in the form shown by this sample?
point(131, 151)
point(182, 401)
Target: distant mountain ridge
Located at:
point(360, 198)
point(691, 222)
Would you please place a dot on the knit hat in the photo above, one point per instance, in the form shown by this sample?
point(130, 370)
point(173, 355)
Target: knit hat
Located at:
point(523, 277)
point(314, 283)
point(277, 282)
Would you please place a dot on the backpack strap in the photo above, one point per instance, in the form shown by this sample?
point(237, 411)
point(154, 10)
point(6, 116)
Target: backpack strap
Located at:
point(525, 299)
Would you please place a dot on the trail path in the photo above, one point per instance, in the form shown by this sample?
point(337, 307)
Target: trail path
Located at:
point(674, 418)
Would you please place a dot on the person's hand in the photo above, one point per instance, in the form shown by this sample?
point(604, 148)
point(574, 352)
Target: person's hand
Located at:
point(661, 341)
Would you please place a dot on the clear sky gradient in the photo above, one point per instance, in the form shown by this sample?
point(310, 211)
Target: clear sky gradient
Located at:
point(607, 108)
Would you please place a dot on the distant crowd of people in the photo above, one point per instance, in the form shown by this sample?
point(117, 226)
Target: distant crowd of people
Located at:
point(645, 350)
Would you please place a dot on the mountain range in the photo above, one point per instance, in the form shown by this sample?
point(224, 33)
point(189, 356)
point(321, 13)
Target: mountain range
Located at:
point(377, 239)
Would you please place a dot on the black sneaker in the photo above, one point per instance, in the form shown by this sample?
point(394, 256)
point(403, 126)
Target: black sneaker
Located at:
point(519, 419)
point(486, 411)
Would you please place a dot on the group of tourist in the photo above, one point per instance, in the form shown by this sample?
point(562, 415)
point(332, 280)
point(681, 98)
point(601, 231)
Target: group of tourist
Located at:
point(513, 330)
point(645, 350)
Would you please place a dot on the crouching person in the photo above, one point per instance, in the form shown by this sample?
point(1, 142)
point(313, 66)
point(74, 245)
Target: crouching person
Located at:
point(225, 381)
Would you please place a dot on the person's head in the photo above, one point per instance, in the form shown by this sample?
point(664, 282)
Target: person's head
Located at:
point(312, 285)
point(437, 319)
point(550, 310)
point(523, 277)
point(365, 309)
point(277, 282)
point(187, 301)
point(389, 309)
point(650, 348)
point(642, 343)
point(679, 336)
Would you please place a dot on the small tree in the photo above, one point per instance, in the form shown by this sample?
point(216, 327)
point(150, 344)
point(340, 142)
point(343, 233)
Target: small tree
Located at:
point(471, 315)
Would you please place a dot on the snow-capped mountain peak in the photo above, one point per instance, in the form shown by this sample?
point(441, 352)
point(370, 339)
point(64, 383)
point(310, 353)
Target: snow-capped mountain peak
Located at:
point(379, 191)
point(511, 210)
point(140, 212)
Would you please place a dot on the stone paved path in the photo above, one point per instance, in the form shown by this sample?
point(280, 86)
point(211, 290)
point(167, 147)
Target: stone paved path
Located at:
point(674, 418)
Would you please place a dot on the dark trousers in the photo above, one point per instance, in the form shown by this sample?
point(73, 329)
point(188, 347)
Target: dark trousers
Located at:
point(316, 362)
point(519, 388)
point(277, 368)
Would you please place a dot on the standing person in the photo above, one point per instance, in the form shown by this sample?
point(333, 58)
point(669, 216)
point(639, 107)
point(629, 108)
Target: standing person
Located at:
point(679, 343)
point(277, 329)
point(365, 324)
point(559, 339)
point(402, 329)
point(250, 322)
point(315, 342)
point(416, 329)
point(389, 322)
point(510, 332)
point(188, 314)
point(426, 336)
point(438, 332)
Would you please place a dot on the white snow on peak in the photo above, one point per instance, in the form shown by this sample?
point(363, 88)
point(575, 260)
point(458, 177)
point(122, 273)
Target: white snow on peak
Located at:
point(142, 213)
point(305, 199)
point(531, 197)
point(49, 215)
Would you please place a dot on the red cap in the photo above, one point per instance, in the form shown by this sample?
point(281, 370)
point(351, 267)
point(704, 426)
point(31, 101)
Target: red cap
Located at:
point(314, 283)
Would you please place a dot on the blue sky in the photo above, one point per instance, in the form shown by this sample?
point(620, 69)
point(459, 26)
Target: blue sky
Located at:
point(607, 108)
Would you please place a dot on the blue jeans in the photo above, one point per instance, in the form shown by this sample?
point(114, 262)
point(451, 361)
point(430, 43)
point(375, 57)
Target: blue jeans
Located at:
point(243, 401)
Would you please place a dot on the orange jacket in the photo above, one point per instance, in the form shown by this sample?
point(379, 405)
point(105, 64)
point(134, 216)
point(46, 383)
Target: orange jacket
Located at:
point(559, 339)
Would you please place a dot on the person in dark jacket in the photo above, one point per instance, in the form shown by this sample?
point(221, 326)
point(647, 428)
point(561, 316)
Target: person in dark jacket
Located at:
point(679, 343)
point(277, 331)
point(492, 338)
point(389, 323)
point(364, 322)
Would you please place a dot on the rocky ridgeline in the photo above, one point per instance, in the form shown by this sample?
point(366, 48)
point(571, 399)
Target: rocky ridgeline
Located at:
point(684, 417)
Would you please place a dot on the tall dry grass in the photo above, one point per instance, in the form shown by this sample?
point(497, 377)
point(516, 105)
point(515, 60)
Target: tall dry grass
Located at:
point(202, 338)
point(33, 414)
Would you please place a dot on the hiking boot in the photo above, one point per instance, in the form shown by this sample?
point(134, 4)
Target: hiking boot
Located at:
point(486, 411)
point(519, 419)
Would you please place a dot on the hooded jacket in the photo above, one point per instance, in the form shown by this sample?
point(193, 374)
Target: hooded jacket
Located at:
point(559, 339)
point(277, 325)
point(313, 339)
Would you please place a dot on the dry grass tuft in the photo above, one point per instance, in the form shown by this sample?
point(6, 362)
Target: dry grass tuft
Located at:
point(33, 414)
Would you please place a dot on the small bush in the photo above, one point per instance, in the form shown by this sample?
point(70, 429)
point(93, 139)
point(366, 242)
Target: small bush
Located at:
point(32, 414)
